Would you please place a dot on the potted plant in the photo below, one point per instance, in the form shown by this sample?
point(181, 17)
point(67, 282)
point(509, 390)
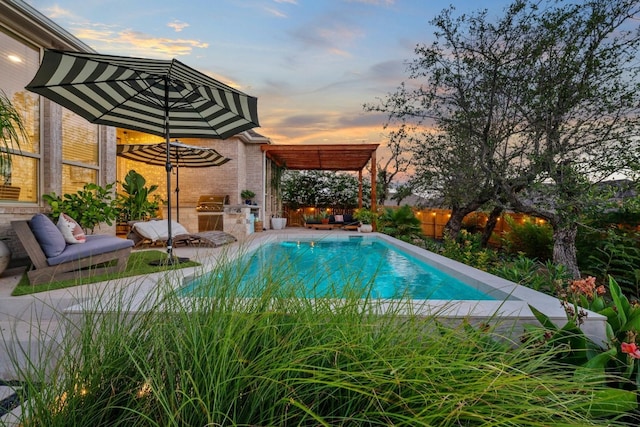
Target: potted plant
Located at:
point(278, 222)
point(324, 218)
point(134, 203)
point(12, 130)
point(247, 195)
point(366, 218)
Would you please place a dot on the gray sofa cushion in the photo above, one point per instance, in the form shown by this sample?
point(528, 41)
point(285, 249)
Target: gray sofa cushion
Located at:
point(96, 244)
point(47, 234)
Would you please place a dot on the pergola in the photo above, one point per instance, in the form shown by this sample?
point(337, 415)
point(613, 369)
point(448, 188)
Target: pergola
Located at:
point(332, 157)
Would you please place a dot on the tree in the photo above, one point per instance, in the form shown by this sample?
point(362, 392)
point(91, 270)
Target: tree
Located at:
point(456, 114)
point(527, 110)
point(402, 192)
point(581, 105)
point(398, 162)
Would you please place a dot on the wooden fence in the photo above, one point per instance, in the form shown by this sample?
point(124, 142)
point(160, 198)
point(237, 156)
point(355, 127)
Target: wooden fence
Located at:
point(432, 220)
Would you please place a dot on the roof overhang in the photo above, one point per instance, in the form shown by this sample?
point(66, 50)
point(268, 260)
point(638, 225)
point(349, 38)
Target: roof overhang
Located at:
point(334, 157)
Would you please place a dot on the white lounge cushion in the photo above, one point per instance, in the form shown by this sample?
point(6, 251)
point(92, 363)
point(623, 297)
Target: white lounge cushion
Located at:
point(158, 230)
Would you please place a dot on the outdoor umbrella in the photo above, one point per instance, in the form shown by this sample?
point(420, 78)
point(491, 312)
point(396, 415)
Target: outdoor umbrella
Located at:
point(160, 97)
point(182, 155)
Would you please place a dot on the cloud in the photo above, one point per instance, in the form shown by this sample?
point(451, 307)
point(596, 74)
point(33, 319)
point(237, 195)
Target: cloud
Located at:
point(136, 43)
point(328, 35)
point(275, 12)
point(56, 12)
point(177, 25)
point(287, 1)
point(375, 2)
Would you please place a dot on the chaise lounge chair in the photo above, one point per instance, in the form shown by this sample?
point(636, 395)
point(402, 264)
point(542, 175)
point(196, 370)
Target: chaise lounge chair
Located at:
point(156, 232)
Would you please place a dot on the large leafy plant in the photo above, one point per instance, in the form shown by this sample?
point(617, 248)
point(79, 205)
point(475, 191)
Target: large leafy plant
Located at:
point(12, 130)
point(400, 223)
point(619, 357)
point(134, 202)
point(90, 206)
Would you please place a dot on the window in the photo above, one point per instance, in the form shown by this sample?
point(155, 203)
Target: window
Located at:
point(19, 61)
point(80, 154)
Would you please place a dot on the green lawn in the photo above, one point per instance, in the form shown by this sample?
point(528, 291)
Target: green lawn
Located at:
point(137, 265)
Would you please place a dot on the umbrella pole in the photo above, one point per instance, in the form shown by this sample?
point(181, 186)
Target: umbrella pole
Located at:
point(171, 260)
point(168, 167)
point(177, 186)
point(177, 193)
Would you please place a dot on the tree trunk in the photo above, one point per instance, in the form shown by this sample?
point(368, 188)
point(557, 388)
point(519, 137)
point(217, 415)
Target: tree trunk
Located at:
point(453, 226)
point(490, 225)
point(564, 248)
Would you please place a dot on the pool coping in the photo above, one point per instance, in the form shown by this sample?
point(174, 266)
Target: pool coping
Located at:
point(510, 315)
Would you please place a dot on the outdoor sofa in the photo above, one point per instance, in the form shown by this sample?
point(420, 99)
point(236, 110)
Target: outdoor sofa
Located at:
point(345, 221)
point(54, 259)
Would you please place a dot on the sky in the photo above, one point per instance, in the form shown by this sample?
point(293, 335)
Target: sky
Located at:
point(312, 64)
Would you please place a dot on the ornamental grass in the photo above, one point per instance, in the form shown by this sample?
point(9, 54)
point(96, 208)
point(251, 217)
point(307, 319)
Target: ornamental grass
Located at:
point(234, 359)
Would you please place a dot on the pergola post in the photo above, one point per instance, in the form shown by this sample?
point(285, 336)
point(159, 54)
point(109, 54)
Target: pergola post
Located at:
point(360, 189)
point(374, 208)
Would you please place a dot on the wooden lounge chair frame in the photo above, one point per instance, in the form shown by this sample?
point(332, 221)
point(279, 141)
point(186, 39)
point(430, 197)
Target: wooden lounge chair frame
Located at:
point(42, 272)
point(211, 239)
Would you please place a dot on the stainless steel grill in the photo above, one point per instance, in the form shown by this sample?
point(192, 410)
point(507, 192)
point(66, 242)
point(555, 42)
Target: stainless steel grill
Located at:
point(212, 203)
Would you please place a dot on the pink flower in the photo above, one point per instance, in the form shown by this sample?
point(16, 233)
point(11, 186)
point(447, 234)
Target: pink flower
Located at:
point(631, 349)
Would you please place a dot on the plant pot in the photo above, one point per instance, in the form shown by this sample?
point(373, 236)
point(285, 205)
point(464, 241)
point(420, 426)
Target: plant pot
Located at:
point(325, 221)
point(365, 228)
point(5, 256)
point(278, 223)
point(122, 229)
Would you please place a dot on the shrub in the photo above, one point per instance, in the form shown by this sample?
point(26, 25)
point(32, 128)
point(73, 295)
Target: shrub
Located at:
point(400, 223)
point(533, 274)
point(89, 207)
point(467, 248)
point(614, 252)
point(531, 239)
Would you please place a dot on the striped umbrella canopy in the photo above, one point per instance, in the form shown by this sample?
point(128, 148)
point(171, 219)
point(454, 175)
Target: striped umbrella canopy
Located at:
point(182, 155)
point(161, 97)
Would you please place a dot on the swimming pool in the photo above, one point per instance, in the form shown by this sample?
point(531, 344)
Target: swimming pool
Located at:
point(335, 268)
point(509, 312)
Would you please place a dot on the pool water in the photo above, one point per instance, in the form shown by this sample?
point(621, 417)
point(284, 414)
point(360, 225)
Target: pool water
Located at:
point(337, 268)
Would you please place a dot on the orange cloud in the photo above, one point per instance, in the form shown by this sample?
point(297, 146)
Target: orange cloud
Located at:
point(177, 25)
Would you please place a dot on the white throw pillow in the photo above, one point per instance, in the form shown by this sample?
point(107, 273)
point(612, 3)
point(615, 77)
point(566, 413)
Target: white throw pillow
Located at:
point(70, 229)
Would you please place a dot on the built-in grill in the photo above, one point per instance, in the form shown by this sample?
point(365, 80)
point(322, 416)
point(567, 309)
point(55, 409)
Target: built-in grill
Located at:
point(210, 210)
point(211, 203)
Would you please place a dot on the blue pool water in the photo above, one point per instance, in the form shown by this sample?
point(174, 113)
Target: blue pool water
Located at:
point(329, 269)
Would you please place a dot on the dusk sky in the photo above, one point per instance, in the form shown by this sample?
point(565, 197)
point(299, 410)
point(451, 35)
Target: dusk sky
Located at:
point(312, 64)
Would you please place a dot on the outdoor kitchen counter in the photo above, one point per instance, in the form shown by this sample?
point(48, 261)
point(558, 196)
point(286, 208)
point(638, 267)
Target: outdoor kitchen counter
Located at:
point(239, 219)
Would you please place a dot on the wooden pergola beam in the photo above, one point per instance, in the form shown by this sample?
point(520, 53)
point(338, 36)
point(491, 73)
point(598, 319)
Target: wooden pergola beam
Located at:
point(334, 157)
